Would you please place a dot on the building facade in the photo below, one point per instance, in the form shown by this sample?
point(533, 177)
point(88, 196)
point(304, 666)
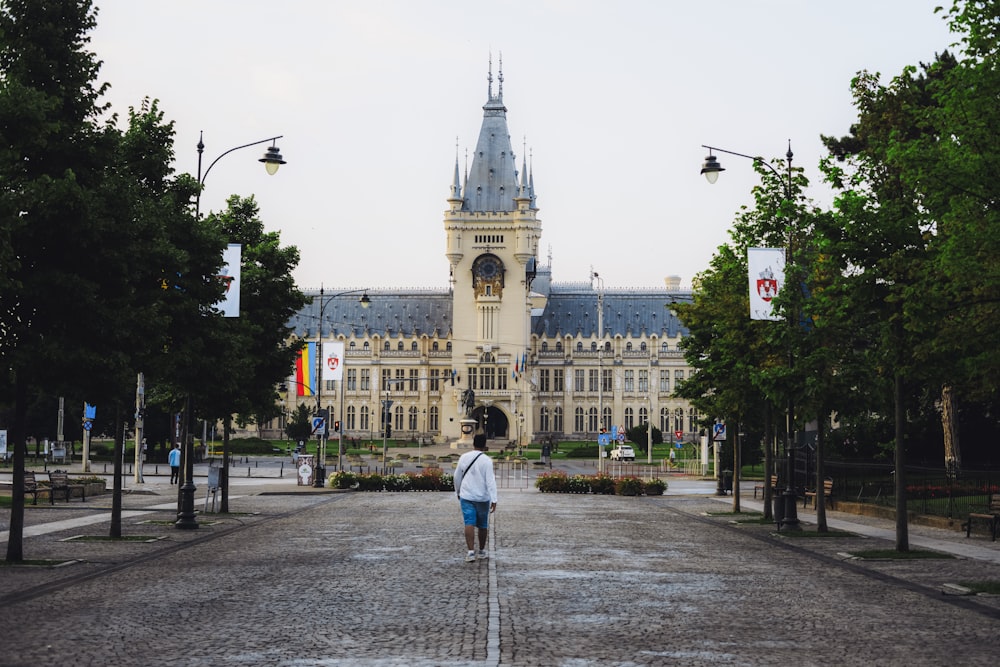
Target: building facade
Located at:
point(541, 358)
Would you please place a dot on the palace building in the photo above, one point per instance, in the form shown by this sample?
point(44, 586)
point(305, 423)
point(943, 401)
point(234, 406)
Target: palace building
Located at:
point(542, 358)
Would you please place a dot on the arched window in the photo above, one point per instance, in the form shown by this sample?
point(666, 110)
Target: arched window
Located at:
point(413, 346)
point(365, 347)
point(350, 419)
point(593, 346)
point(558, 347)
point(663, 348)
point(543, 420)
point(628, 346)
point(642, 347)
point(545, 346)
point(364, 418)
point(412, 421)
point(578, 421)
point(629, 419)
point(399, 346)
point(433, 419)
point(448, 346)
point(434, 346)
point(665, 419)
point(386, 346)
point(351, 346)
point(592, 420)
point(557, 420)
point(579, 347)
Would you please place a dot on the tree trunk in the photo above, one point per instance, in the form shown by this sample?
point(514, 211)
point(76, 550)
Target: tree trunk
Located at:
point(15, 536)
point(949, 425)
point(768, 462)
point(224, 472)
point(737, 465)
point(821, 526)
point(902, 529)
point(116, 485)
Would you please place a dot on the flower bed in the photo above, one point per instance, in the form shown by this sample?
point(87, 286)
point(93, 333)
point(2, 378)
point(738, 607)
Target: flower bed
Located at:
point(558, 481)
point(432, 479)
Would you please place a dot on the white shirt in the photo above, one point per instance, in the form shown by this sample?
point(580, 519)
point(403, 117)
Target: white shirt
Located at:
point(476, 481)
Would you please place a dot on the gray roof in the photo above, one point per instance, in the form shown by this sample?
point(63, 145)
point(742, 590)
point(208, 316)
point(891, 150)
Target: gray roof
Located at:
point(571, 310)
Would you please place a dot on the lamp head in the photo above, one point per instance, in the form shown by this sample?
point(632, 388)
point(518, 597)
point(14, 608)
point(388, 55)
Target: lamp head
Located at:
point(711, 168)
point(364, 300)
point(272, 159)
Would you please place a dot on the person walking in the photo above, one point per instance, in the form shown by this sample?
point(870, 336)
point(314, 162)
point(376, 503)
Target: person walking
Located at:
point(174, 459)
point(476, 488)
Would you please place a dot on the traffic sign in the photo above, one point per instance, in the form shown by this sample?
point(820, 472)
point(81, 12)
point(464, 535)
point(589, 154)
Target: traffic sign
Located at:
point(719, 432)
point(621, 437)
point(679, 435)
point(318, 423)
point(604, 439)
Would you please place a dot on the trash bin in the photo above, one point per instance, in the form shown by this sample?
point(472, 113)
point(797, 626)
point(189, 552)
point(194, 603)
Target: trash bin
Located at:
point(778, 508)
point(306, 470)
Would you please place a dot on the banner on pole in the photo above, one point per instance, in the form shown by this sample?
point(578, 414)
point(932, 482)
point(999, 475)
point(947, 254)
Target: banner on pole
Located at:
point(333, 360)
point(766, 273)
point(232, 258)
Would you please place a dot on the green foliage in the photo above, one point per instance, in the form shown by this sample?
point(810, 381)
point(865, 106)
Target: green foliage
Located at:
point(628, 486)
point(654, 487)
point(299, 426)
point(552, 482)
point(343, 479)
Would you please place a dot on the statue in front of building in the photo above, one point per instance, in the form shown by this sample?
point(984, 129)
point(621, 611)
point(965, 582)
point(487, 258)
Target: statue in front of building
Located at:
point(468, 402)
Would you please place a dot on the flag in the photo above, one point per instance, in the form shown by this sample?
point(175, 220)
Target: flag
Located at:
point(766, 276)
point(232, 258)
point(333, 360)
point(305, 370)
point(89, 411)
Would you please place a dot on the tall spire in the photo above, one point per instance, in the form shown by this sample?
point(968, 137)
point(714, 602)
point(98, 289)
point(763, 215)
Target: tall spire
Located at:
point(492, 182)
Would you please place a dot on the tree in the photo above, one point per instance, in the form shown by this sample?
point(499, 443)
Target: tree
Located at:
point(254, 352)
point(53, 157)
point(299, 426)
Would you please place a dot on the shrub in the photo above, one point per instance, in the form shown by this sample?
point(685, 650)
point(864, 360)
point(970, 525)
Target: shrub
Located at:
point(628, 486)
point(655, 487)
point(602, 484)
point(552, 482)
point(343, 479)
point(370, 482)
point(430, 479)
point(578, 484)
point(396, 482)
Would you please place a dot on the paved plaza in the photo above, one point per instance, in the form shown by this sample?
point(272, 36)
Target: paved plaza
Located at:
point(296, 576)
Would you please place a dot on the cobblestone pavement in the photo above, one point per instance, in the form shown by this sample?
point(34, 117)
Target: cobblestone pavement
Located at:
point(299, 578)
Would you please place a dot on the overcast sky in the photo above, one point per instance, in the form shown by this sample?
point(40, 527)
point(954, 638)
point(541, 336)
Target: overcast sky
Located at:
point(612, 101)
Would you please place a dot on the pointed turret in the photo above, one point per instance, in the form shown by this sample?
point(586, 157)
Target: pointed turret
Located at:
point(492, 180)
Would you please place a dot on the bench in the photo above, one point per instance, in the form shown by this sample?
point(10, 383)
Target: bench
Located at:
point(59, 483)
point(31, 486)
point(827, 493)
point(991, 515)
point(760, 487)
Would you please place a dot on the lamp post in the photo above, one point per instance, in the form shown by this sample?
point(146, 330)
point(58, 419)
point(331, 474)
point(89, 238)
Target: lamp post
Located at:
point(272, 160)
point(600, 368)
point(711, 169)
point(320, 477)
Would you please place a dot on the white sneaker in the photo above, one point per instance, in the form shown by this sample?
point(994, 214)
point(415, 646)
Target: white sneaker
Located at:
point(470, 557)
point(482, 555)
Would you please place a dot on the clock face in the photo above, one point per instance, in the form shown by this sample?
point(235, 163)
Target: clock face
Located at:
point(488, 268)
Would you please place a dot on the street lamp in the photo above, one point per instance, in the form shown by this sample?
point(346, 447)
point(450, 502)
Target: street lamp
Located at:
point(600, 368)
point(320, 476)
point(711, 169)
point(186, 515)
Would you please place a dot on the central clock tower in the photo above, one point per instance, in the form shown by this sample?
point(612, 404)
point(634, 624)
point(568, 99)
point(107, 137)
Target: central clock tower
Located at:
point(492, 231)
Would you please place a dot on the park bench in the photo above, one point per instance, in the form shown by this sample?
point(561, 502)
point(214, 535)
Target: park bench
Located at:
point(991, 516)
point(827, 493)
point(760, 486)
point(31, 486)
point(59, 483)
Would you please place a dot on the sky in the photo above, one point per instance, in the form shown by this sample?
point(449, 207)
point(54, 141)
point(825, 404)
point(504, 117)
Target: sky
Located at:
point(610, 102)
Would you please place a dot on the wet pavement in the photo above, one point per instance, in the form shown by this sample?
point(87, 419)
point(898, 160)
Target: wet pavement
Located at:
point(299, 576)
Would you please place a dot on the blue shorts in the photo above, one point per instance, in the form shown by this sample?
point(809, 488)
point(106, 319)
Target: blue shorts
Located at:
point(476, 513)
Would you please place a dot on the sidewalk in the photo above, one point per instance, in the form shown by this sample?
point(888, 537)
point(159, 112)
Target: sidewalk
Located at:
point(379, 579)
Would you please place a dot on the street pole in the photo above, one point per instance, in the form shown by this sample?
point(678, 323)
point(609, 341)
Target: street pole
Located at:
point(140, 409)
point(600, 369)
point(711, 170)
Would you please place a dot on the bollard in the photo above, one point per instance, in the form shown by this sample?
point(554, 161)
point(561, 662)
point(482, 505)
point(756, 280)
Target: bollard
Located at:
point(281, 472)
point(248, 471)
